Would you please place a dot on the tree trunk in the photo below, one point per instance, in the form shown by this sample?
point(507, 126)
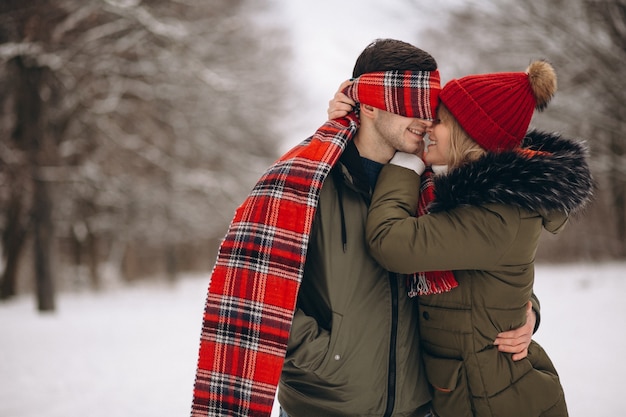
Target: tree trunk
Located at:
point(30, 132)
point(13, 240)
point(93, 259)
point(43, 236)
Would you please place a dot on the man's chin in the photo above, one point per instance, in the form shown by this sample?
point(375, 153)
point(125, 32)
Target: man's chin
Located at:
point(416, 148)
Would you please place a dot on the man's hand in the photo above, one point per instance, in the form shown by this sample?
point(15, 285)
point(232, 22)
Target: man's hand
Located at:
point(517, 341)
point(340, 105)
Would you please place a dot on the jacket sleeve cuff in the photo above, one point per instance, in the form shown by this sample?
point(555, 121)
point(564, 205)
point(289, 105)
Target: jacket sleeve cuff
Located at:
point(410, 161)
point(537, 310)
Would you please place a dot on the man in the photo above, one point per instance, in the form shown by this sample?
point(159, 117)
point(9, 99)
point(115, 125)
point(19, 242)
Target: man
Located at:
point(353, 347)
point(351, 341)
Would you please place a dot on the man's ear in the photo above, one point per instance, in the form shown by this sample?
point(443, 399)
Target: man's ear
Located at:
point(367, 111)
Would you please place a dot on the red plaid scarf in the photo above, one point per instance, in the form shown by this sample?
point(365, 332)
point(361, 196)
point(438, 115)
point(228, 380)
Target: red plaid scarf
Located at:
point(432, 282)
point(414, 94)
point(259, 267)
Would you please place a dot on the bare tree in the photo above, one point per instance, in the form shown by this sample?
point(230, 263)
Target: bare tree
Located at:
point(585, 40)
point(158, 116)
point(34, 149)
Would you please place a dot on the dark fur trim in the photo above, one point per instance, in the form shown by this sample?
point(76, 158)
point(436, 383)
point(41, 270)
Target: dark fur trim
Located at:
point(558, 180)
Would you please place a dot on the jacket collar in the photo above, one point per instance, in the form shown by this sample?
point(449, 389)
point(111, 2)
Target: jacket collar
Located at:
point(354, 173)
point(557, 179)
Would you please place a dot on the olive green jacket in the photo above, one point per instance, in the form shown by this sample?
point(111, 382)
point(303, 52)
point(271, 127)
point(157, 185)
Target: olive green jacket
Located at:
point(484, 224)
point(353, 348)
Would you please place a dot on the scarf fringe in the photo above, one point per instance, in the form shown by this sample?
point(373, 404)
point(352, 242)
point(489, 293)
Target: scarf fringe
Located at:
point(431, 282)
point(435, 282)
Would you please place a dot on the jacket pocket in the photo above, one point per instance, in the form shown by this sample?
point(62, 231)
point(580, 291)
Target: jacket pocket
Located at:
point(528, 387)
point(332, 357)
point(311, 346)
point(449, 382)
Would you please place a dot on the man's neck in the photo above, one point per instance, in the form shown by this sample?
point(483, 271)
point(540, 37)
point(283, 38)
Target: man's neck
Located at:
point(371, 148)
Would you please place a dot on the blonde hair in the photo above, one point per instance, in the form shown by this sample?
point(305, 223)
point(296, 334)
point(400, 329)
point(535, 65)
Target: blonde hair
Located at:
point(463, 148)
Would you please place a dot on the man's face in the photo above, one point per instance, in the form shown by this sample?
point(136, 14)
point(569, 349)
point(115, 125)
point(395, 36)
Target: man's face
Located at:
point(404, 134)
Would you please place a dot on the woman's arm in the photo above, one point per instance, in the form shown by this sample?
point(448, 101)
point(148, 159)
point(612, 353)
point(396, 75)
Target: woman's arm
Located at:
point(340, 105)
point(463, 238)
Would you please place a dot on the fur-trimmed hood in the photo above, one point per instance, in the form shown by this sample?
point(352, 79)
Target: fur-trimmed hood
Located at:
point(556, 178)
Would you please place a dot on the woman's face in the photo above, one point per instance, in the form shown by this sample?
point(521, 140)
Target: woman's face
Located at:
point(438, 150)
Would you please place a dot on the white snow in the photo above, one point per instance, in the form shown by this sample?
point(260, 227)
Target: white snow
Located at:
point(132, 352)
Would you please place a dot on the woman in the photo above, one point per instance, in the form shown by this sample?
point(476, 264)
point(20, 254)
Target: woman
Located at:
point(497, 188)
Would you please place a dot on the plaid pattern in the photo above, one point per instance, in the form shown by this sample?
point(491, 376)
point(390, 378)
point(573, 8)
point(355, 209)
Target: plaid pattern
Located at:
point(432, 282)
point(407, 93)
point(257, 275)
point(255, 281)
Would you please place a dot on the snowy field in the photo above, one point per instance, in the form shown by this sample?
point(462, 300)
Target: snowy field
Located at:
point(132, 352)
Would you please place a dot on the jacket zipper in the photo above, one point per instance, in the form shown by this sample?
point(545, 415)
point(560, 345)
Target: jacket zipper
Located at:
point(391, 379)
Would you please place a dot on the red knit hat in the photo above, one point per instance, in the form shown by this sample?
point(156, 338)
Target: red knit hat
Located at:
point(495, 109)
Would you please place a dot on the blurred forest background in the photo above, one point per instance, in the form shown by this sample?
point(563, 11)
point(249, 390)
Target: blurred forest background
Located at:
point(131, 130)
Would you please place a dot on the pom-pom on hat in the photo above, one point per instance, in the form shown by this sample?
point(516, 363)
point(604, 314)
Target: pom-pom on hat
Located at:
point(495, 109)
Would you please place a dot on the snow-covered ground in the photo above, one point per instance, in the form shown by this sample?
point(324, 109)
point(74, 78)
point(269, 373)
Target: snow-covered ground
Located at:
point(132, 352)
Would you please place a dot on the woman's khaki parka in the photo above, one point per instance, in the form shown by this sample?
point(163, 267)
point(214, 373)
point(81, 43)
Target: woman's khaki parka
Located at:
point(484, 224)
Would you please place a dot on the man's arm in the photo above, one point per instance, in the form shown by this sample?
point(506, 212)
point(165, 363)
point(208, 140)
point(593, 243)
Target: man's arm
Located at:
point(517, 341)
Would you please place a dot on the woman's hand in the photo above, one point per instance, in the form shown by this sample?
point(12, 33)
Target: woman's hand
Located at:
point(517, 341)
point(340, 105)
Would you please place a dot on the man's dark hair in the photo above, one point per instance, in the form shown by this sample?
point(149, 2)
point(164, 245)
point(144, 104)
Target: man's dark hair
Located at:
point(390, 55)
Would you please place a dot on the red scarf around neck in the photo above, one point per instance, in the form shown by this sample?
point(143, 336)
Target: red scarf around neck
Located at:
point(255, 281)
